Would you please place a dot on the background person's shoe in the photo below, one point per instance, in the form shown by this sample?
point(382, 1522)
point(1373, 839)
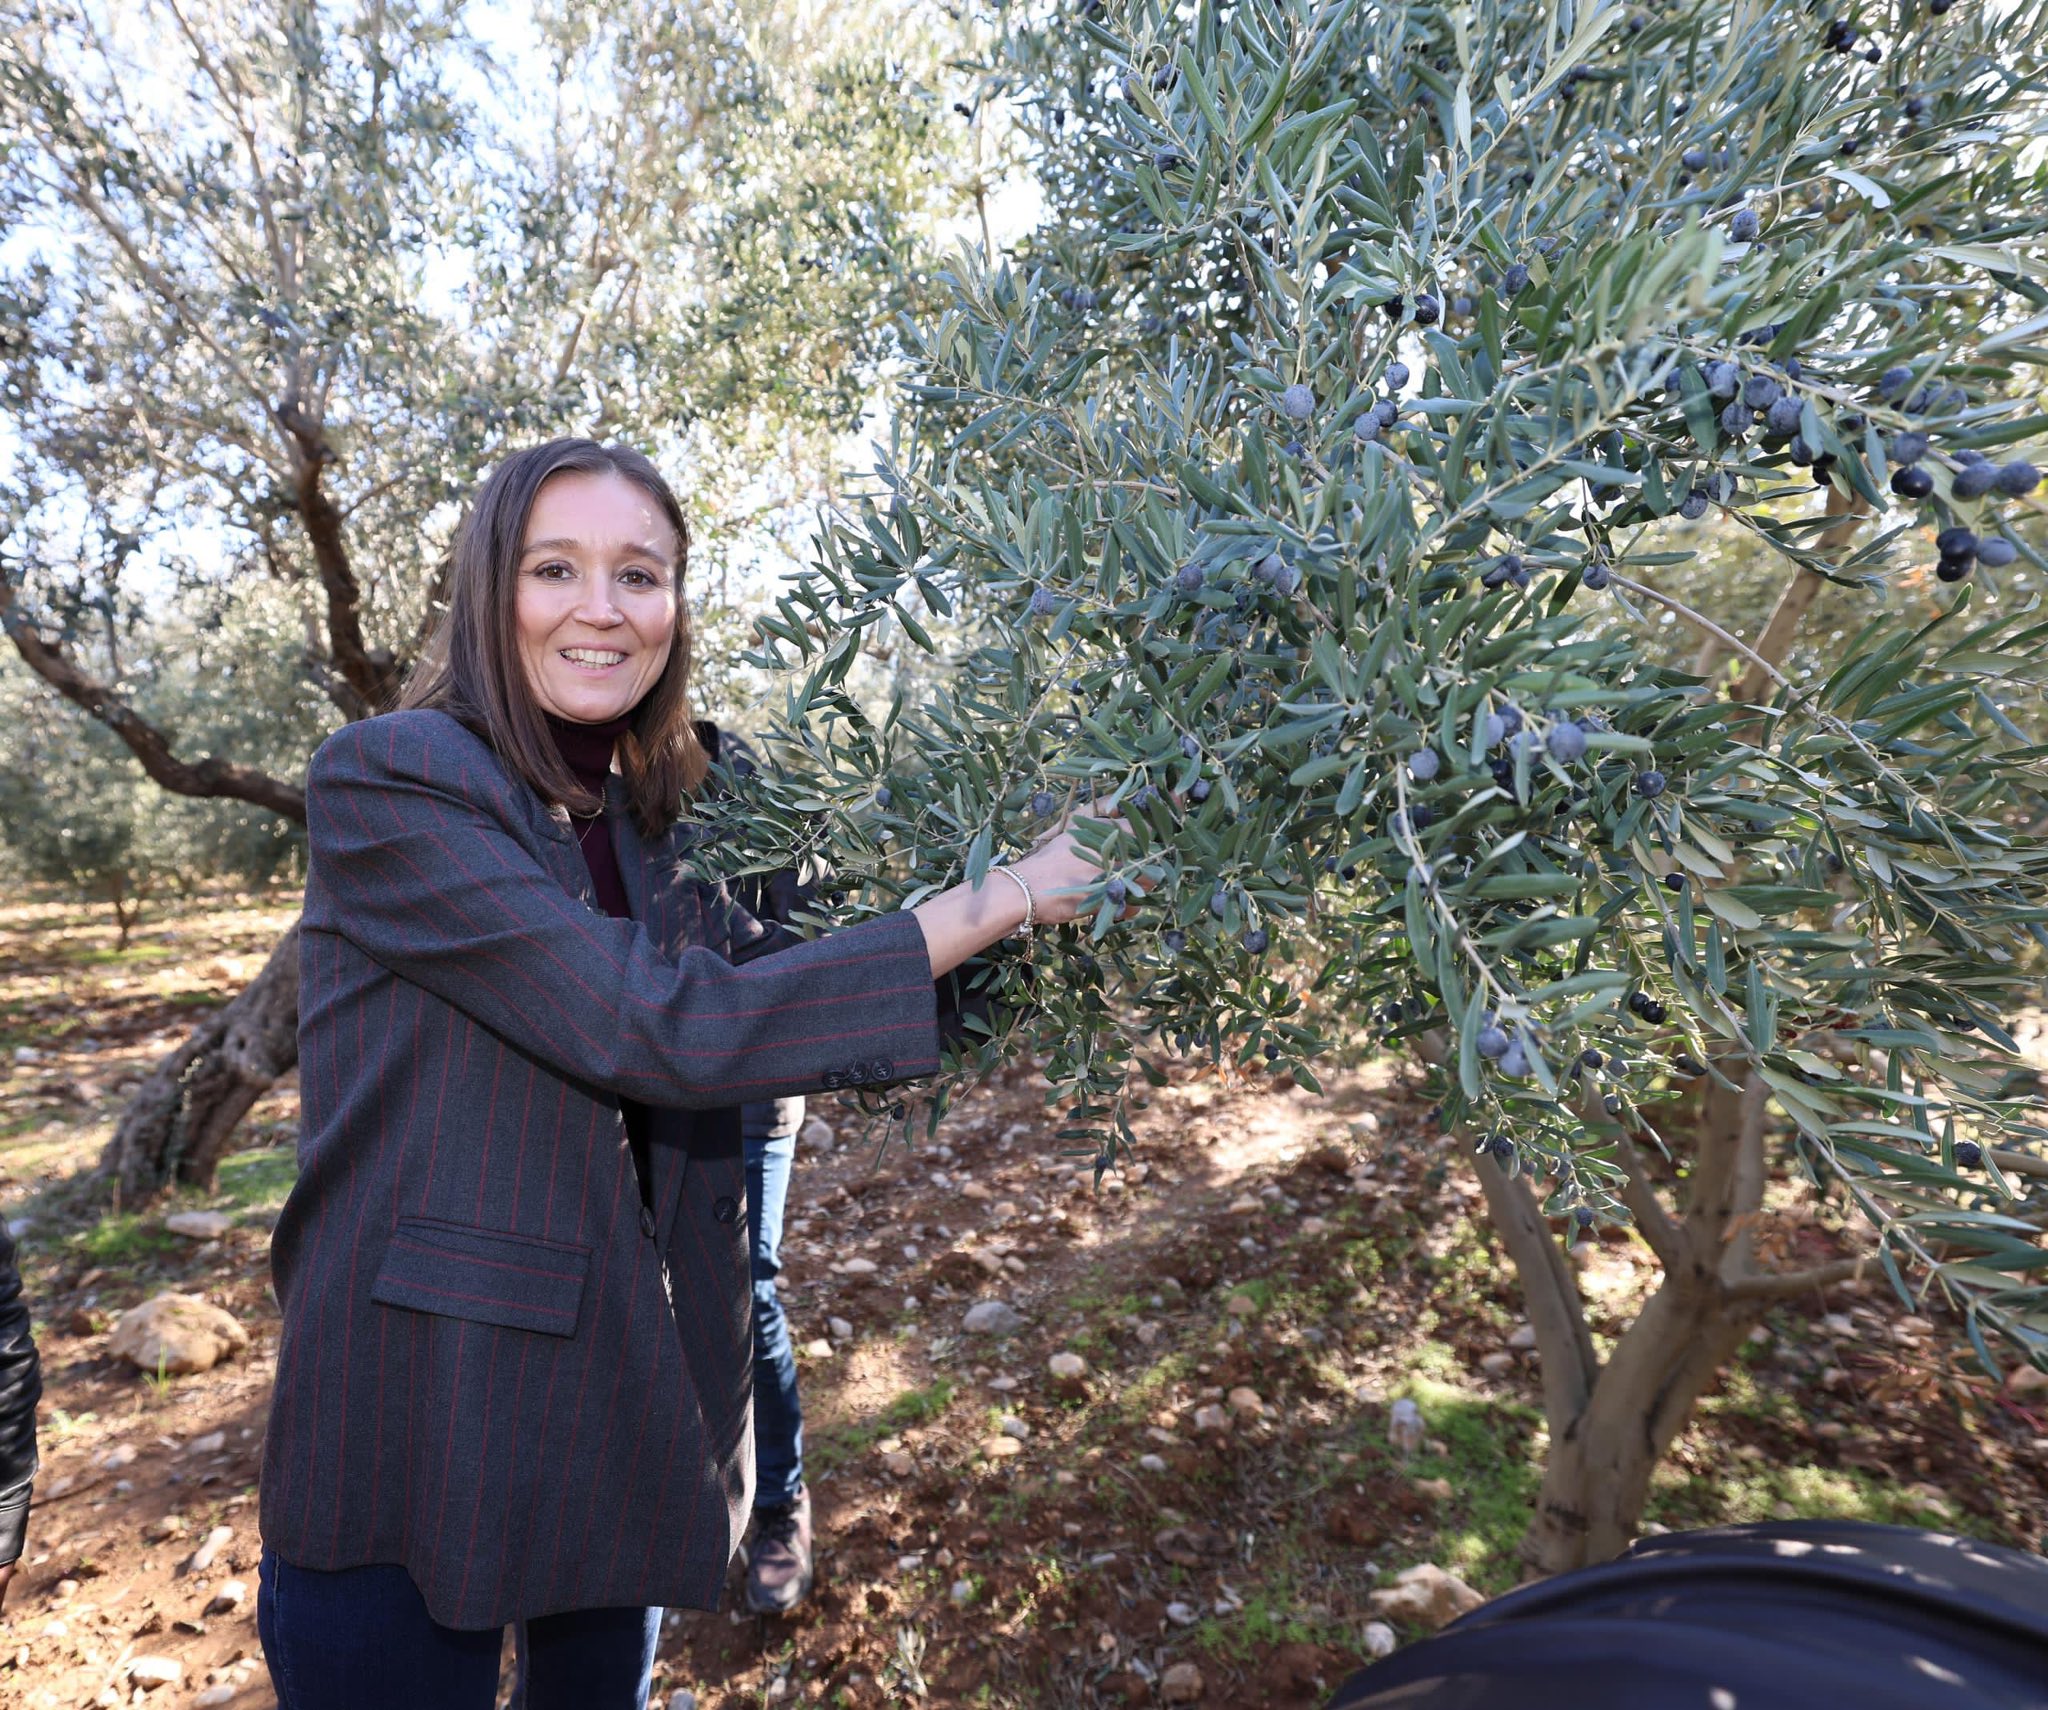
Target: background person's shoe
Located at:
point(779, 1564)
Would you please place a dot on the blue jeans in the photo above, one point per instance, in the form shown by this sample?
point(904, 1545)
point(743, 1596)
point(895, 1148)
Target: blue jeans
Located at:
point(778, 1414)
point(362, 1637)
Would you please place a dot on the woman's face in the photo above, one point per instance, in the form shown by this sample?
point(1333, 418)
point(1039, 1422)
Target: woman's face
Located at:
point(597, 596)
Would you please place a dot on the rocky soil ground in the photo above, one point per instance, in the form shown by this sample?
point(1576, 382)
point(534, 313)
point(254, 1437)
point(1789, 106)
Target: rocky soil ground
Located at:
point(1164, 1475)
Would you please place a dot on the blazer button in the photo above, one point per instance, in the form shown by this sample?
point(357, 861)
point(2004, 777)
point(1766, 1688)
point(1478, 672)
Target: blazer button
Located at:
point(727, 1209)
point(834, 1080)
point(883, 1068)
point(647, 1222)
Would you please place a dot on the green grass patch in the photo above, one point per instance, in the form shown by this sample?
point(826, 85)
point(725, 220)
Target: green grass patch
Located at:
point(1738, 1491)
point(834, 1449)
point(1491, 1466)
point(126, 1242)
point(258, 1180)
point(134, 953)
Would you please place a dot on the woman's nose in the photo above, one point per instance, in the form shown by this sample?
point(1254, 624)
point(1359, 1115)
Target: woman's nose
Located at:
point(598, 604)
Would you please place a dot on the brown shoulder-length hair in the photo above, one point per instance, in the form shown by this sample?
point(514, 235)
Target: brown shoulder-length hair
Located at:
point(471, 669)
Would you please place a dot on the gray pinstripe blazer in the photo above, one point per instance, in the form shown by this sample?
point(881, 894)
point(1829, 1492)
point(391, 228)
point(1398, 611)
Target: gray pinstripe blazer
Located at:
point(496, 1367)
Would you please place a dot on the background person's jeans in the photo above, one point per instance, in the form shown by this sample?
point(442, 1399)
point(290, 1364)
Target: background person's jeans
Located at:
point(770, 1130)
point(362, 1637)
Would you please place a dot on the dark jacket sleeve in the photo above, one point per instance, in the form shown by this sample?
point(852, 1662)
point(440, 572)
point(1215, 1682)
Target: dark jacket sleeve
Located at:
point(419, 858)
point(21, 1386)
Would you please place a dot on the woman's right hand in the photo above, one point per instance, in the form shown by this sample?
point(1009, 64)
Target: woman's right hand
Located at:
point(966, 919)
point(1062, 871)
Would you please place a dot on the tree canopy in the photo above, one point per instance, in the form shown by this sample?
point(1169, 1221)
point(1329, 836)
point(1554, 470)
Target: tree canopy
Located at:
point(1312, 477)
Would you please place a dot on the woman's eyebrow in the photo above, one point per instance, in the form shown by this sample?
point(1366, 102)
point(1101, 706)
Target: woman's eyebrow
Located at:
point(631, 549)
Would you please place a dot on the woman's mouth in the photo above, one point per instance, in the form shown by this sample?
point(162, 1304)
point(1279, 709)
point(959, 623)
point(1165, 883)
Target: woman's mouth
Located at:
point(593, 659)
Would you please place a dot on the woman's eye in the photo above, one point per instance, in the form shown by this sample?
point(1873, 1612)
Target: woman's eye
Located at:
point(644, 578)
point(548, 570)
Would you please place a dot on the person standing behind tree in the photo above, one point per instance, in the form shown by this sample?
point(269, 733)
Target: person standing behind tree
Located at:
point(21, 1386)
point(779, 1559)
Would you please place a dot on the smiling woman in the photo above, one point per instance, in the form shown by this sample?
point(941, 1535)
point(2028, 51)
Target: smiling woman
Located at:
point(513, 1378)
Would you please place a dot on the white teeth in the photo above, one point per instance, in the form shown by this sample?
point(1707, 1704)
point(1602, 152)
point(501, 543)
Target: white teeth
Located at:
point(590, 656)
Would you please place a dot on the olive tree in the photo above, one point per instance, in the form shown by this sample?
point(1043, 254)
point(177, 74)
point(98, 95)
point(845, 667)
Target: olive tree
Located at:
point(1318, 474)
point(284, 280)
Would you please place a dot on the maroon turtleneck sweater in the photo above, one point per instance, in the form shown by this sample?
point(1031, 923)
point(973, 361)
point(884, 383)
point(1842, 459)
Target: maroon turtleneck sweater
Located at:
point(587, 750)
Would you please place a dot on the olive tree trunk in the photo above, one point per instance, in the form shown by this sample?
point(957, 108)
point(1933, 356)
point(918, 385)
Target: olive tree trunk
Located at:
point(177, 1127)
point(1612, 1422)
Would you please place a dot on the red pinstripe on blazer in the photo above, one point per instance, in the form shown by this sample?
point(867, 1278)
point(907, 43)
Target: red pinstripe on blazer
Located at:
point(481, 1375)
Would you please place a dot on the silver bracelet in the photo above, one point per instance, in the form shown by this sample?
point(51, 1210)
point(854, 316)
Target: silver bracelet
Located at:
point(1030, 903)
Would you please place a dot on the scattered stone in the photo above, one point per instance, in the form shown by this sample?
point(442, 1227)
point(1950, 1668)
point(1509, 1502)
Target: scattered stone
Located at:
point(214, 1696)
point(962, 1593)
point(176, 1333)
point(974, 1190)
point(1002, 1383)
point(1655, 1529)
point(1246, 1402)
point(1241, 1306)
point(1378, 1640)
point(163, 1529)
point(1243, 1206)
point(1497, 1364)
point(1405, 1427)
point(1523, 1339)
point(1011, 1426)
point(1210, 1417)
point(686, 1699)
point(841, 1330)
point(1001, 1448)
point(816, 1133)
point(210, 1444)
point(1183, 1614)
point(1068, 1368)
point(1315, 1226)
point(2025, 1381)
point(199, 1225)
point(1151, 1463)
point(857, 1267)
point(898, 1463)
point(818, 1349)
point(992, 1318)
point(203, 1558)
point(64, 1591)
point(1425, 1596)
point(151, 1672)
point(120, 1455)
point(231, 1596)
point(1436, 1489)
point(1181, 1684)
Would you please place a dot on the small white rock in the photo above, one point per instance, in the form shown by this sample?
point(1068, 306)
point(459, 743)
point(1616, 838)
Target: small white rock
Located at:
point(214, 1696)
point(231, 1596)
point(1523, 1339)
point(1181, 1684)
point(818, 1349)
point(1011, 1426)
point(199, 1225)
point(684, 1698)
point(962, 1592)
point(210, 1444)
point(1245, 1402)
point(216, 1541)
point(1067, 1366)
point(858, 1267)
point(1210, 1417)
point(152, 1672)
point(841, 1330)
point(1378, 1639)
point(1183, 1614)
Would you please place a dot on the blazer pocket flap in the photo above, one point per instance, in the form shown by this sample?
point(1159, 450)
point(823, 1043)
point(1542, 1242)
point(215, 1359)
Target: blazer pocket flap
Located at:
point(483, 1274)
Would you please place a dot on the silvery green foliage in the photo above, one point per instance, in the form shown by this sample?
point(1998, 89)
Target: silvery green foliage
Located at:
point(1530, 207)
point(282, 281)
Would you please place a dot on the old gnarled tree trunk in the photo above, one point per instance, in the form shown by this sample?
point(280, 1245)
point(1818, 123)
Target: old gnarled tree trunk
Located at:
point(178, 1125)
